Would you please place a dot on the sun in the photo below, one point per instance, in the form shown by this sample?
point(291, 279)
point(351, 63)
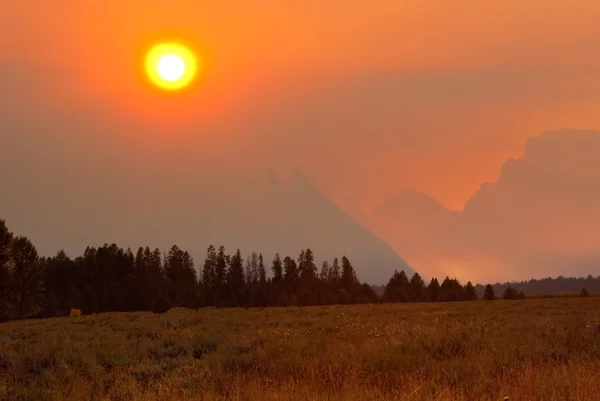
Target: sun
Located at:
point(171, 66)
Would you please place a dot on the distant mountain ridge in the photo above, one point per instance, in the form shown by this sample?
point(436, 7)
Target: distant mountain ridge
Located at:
point(540, 218)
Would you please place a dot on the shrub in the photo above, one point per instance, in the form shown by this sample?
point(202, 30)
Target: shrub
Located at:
point(585, 293)
point(203, 347)
point(510, 294)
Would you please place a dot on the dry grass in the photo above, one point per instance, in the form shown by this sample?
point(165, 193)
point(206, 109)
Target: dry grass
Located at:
point(546, 349)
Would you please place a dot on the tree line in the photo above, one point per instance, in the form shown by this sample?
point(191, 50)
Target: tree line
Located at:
point(547, 285)
point(109, 278)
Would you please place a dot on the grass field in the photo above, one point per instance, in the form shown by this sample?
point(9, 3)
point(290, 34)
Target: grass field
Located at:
point(543, 349)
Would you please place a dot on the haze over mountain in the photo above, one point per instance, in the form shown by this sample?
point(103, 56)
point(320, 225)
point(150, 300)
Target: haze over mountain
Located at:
point(541, 218)
point(246, 211)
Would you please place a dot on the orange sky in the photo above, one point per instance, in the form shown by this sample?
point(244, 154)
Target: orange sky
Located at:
point(369, 99)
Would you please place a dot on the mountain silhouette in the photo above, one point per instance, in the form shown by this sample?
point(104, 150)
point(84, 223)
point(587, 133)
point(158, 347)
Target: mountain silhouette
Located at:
point(540, 218)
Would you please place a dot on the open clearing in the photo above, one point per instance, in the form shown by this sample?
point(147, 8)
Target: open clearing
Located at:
point(541, 349)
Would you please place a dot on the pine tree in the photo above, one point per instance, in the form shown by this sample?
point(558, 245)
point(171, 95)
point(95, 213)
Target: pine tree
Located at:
point(300, 264)
point(451, 290)
point(147, 279)
point(397, 288)
point(235, 280)
point(262, 273)
point(290, 275)
point(290, 270)
point(182, 279)
point(208, 276)
point(417, 289)
point(324, 276)
point(489, 293)
point(254, 267)
point(334, 275)
point(27, 282)
point(348, 280)
point(5, 271)
point(433, 290)
point(219, 288)
point(277, 269)
point(306, 263)
point(470, 293)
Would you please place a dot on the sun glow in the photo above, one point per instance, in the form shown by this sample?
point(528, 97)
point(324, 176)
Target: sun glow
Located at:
point(171, 66)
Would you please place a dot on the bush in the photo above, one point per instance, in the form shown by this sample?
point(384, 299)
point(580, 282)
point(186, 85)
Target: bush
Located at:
point(510, 294)
point(585, 293)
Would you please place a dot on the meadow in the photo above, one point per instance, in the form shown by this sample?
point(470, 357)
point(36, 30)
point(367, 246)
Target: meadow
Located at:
point(539, 349)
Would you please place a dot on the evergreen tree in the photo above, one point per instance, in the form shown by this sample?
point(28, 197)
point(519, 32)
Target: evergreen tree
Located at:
point(290, 270)
point(219, 278)
point(335, 277)
point(324, 275)
point(397, 288)
point(160, 301)
point(290, 275)
point(277, 269)
point(277, 288)
point(263, 286)
point(235, 280)
point(27, 281)
point(208, 276)
point(308, 269)
point(451, 290)
point(254, 267)
point(433, 290)
point(348, 280)
point(181, 278)
point(262, 272)
point(62, 292)
point(417, 289)
point(470, 294)
point(6, 270)
point(367, 294)
point(489, 293)
point(308, 282)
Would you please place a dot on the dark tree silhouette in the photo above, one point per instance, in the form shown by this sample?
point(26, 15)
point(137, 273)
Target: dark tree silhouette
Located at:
point(510, 294)
point(417, 291)
point(27, 281)
point(6, 270)
point(397, 289)
point(470, 293)
point(219, 278)
point(110, 278)
point(181, 278)
point(235, 280)
point(489, 293)
point(208, 276)
point(433, 290)
point(451, 290)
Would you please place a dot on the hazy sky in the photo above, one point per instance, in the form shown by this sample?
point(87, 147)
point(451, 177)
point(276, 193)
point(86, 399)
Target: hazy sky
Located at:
point(368, 98)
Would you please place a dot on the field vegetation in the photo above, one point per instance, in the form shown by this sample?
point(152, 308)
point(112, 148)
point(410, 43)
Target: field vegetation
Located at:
point(540, 349)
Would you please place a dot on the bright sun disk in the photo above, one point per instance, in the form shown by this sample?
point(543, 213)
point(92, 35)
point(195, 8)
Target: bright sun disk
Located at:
point(171, 66)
